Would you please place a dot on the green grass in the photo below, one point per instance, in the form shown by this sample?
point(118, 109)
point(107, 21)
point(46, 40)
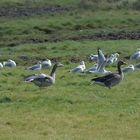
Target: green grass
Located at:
point(60, 26)
point(72, 108)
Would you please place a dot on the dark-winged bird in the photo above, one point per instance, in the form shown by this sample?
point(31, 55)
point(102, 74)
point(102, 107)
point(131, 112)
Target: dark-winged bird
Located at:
point(110, 79)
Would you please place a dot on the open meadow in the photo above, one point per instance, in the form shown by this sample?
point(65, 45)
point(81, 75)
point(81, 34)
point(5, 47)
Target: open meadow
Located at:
point(68, 31)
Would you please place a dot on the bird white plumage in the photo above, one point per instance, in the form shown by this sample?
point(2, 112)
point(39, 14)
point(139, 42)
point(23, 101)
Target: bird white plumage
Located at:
point(1, 65)
point(38, 66)
point(129, 68)
point(43, 80)
point(79, 68)
point(135, 55)
point(47, 63)
point(9, 63)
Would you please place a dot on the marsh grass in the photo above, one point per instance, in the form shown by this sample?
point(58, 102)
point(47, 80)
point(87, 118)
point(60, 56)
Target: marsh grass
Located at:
point(72, 108)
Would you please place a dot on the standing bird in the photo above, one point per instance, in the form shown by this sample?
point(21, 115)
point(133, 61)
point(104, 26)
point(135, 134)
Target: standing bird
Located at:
point(110, 79)
point(9, 63)
point(46, 80)
point(79, 68)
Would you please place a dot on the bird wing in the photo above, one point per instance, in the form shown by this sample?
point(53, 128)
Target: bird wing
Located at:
point(33, 67)
point(103, 78)
point(101, 58)
point(77, 69)
point(115, 79)
point(30, 77)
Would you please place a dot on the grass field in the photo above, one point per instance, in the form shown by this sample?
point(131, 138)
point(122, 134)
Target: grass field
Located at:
point(72, 109)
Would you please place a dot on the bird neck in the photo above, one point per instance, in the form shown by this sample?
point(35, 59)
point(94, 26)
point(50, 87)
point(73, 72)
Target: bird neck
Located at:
point(119, 69)
point(52, 74)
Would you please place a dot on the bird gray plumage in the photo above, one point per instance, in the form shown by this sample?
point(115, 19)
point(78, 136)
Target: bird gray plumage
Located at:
point(38, 66)
point(110, 79)
point(47, 80)
point(137, 65)
point(129, 68)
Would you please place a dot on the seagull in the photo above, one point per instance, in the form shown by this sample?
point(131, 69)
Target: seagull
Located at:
point(38, 66)
point(92, 69)
point(9, 63)
point(113, 58)
point(137, 65)
point(129, 68)
point(99, 67)
point(101, 58)
point(47, 63)
point(135, 55)
point(79, 68)
point(110, 79)
point(46, 80)
point(1, 65)
point(102, 61)
point(102, 70)
point(93, 57)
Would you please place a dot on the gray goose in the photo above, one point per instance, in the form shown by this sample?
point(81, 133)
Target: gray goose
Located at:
point(110, 79)
point(46, 80)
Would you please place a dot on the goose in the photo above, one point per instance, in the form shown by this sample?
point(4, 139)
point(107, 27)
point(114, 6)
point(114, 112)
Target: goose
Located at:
point(135, 55)
point(29, 78)
point(38, 66)
point(129, 68)
point(79, 68)
point(110, 79)
point(9, 63)
point(1, 65)
point(47, 63)
point(46, 80)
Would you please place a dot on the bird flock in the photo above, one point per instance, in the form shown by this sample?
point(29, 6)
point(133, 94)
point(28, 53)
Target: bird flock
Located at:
point(101, 62)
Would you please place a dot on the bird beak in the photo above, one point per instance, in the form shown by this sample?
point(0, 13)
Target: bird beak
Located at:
point(61, 65)
point(125, 63)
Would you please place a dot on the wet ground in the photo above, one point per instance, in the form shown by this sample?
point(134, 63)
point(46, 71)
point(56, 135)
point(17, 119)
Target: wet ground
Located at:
point(18, 11)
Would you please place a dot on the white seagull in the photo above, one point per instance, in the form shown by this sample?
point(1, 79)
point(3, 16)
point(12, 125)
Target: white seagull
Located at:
point(113, 58)
point(129, 68)
point(137, 65)
point(93, 57)
point(92, 69)
point(47, 63)
point(135, 55)
point(79, 68)
point(9, 63)
point(38, 66)
point(102, 61)
point(1, 65)
point(99, 68)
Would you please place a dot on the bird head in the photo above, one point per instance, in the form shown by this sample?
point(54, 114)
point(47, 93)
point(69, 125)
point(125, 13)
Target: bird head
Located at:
point(121, 63)
point(59, 64)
